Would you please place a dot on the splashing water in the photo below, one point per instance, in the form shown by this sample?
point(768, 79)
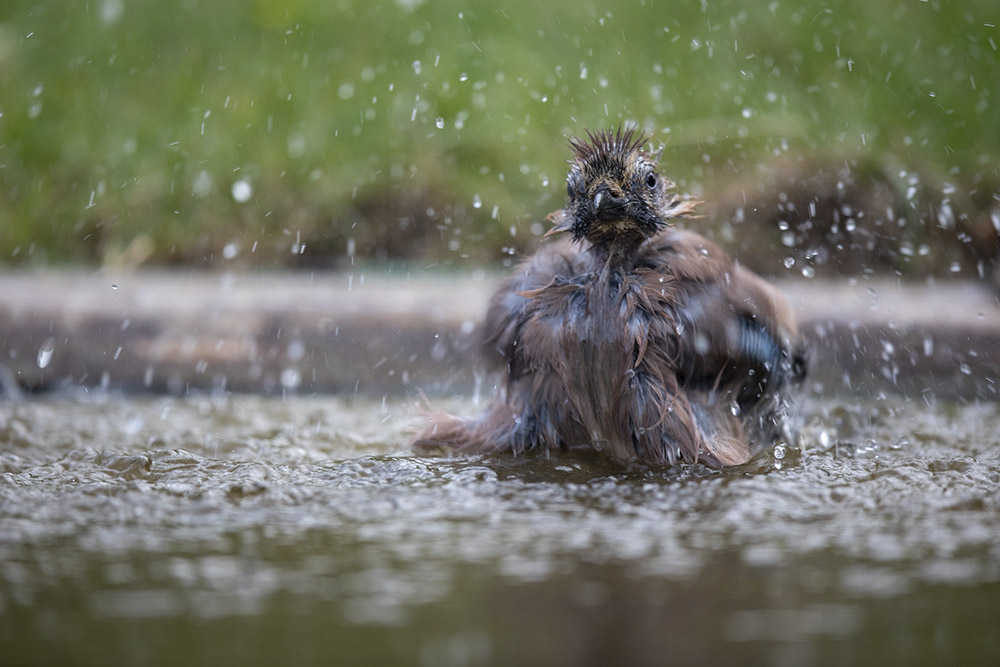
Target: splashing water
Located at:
point(168, 518)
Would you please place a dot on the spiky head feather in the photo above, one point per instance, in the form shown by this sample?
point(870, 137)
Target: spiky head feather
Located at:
point(611, 166)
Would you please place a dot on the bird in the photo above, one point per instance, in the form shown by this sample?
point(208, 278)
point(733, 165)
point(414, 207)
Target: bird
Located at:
point(629, 336)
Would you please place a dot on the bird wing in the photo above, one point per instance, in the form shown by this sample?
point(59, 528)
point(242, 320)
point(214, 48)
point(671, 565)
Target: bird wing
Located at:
point(731, 323)
point(508, 310)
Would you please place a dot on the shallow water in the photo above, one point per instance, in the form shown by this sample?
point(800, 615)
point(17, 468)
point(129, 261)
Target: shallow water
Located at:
point(242, 529)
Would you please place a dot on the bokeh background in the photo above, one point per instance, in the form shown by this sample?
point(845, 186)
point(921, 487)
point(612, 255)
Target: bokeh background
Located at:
point(163, 163)
point(824, 137)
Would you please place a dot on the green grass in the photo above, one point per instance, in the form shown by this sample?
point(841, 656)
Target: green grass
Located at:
point(433, 131)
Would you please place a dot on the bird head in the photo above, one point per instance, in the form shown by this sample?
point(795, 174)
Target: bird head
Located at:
point(615, 194)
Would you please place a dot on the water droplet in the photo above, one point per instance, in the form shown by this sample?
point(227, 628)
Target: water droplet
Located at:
point(296, 145)
point(202, 186)
point(780, 451)
point(824, 439)
point(45, 352)
point(290, 378)
point(242, 191)
point(296, 350)
point(477, 201)
point(439, 123)
point(111, 11)
point(133, 424)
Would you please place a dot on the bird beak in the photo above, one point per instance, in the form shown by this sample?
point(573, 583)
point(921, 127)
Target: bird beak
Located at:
point(606, 205)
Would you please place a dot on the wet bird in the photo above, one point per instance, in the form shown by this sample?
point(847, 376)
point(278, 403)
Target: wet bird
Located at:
point(630, 336)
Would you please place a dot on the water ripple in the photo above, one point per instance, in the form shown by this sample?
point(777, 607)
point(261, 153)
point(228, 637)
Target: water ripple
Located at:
point(179, 507)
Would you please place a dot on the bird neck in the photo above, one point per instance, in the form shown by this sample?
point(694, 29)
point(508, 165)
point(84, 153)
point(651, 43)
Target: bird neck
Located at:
point(617, 256)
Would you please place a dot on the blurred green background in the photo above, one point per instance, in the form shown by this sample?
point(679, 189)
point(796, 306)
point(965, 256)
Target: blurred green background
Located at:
point(266, 133)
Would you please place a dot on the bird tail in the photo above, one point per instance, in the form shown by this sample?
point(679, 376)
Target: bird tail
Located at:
point(445, 432)
point(500, 429)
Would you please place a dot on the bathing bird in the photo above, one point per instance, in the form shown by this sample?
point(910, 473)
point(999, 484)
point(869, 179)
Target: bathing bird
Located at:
point(626, 335)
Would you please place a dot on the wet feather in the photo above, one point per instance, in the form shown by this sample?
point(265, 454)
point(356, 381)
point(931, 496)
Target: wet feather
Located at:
point(631, 337)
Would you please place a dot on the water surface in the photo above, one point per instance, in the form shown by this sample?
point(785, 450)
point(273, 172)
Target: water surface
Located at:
point(243, 529)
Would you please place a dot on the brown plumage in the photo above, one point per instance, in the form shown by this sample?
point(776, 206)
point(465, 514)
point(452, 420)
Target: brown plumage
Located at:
point(631, 337)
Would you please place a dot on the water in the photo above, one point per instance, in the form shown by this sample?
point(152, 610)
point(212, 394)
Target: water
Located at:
point(250, 530)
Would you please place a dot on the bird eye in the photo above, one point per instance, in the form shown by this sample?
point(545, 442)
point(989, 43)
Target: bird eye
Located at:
point(651, 180)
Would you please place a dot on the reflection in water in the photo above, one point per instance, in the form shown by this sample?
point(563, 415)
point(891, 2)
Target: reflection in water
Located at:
point(164, 529)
